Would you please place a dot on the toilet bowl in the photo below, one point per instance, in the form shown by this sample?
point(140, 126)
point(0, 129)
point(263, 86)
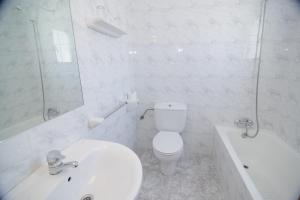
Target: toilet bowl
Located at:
point(168, 148)
point(170, 120)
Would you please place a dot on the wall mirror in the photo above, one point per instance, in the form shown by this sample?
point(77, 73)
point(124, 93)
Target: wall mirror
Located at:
point(39, 74)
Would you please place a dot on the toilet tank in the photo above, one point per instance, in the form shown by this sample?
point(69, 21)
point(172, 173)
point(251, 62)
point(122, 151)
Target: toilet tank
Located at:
point(170, 116)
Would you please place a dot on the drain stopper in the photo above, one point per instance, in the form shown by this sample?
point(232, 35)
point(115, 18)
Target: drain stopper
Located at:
point(246, 166)
point(87, 197)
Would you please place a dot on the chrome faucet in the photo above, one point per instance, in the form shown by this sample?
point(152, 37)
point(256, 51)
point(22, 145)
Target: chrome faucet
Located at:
point(55, 164)
point(244, 123)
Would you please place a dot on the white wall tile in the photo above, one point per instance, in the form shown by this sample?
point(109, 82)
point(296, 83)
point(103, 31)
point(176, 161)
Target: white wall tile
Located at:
point(199, 53)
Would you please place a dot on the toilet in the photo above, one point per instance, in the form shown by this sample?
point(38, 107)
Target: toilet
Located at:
point(170, 120)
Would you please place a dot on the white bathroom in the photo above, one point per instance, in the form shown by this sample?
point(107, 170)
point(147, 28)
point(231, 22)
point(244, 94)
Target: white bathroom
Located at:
point(149, 100)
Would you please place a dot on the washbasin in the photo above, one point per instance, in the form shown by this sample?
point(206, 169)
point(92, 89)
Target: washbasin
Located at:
point(106, 171)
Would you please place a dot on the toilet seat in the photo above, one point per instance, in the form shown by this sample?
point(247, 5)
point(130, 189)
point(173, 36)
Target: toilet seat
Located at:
point(167, 143)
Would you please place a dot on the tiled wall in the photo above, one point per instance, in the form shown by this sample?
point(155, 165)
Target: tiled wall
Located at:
point(106, 77)
point(197, 52)
point(279, 96)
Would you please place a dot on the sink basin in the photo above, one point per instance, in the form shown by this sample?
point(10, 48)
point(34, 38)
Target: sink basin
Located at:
point(106, 171)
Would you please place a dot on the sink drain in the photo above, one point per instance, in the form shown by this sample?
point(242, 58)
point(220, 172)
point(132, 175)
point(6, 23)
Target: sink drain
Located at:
point(87, 197)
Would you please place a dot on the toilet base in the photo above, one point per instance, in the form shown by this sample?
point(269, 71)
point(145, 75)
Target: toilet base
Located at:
point(168, 168)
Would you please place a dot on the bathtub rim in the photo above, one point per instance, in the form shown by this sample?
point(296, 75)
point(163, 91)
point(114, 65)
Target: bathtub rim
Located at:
point(221, 130)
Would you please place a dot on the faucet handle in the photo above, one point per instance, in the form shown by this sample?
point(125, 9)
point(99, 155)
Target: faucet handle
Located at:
point(54, 156)
point(244, 123)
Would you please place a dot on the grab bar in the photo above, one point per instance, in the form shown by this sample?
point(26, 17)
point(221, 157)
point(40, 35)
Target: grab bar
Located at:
point(94, 122)
point(115, 110)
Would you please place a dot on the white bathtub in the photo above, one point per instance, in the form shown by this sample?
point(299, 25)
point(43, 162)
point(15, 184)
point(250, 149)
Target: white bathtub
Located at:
point(274, 168)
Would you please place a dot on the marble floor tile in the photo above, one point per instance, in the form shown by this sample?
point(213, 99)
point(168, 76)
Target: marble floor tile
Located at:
point(195, 179)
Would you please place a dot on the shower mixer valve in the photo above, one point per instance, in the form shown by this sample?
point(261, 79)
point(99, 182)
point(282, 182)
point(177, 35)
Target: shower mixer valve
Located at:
point(244, 123)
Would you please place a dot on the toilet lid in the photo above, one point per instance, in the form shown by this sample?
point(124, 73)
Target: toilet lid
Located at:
point(167, 142)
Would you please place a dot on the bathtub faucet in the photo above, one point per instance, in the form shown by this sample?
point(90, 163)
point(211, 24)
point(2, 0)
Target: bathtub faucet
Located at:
point(244, 123)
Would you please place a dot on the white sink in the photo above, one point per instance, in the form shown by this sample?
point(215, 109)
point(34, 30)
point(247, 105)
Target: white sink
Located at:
point(106, 170)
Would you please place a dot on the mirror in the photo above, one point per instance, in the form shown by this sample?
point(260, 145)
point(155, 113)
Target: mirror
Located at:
point(39, 74)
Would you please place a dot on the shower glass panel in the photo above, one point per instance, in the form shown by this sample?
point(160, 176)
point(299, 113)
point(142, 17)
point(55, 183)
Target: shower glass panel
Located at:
point(39, 75)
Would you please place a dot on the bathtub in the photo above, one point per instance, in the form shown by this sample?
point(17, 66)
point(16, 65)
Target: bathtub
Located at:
point(263, 168)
